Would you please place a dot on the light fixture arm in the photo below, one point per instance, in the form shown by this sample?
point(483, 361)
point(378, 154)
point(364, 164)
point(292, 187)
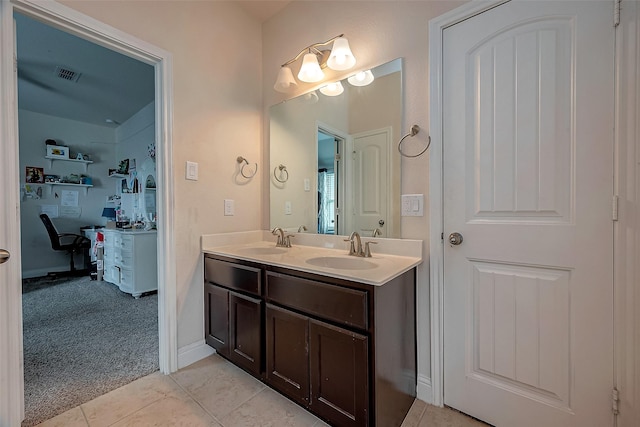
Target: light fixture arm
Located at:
point(308, 49)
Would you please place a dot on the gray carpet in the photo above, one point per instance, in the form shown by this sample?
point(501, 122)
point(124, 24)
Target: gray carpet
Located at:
point(82, 339)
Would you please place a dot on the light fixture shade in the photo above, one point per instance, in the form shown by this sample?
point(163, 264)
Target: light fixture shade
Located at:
point(362, 78)
point(310, 97)
point(310, 71)
point(332, 89)
point(341, 57)
point(285, 80)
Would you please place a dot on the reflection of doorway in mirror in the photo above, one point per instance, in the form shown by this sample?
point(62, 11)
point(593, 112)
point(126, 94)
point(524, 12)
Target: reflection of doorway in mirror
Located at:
point(329, 204)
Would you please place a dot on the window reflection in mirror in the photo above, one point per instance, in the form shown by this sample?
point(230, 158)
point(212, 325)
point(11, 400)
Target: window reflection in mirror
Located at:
point(341, 156)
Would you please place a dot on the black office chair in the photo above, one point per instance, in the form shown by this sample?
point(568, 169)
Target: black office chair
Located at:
point(71, 243)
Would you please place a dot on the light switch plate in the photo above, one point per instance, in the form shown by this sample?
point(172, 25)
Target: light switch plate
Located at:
point(287, 208)
point(229, 207)
point(307, 184)
point(192, 171)
point(413, 205)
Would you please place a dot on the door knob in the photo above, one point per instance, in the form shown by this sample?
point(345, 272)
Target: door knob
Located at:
point(381, 222)
point(4, 256)
point(455, 238)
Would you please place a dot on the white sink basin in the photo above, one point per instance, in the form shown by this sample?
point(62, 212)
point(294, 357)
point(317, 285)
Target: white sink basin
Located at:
point(262, 251)
point(342, 263)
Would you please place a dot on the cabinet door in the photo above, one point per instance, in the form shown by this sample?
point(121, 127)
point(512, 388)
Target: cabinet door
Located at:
point(339, 366)
point(245, 316)
point(287, 353)
point(216, 313)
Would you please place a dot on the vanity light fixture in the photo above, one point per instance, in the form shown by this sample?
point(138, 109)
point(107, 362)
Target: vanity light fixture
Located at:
point(363, 78)
point(339, 58)
point(332, 89)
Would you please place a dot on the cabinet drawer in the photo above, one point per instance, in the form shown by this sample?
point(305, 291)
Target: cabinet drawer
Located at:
point(126, 242)
point(234, 276)
point(125, 259)
point(337, 303)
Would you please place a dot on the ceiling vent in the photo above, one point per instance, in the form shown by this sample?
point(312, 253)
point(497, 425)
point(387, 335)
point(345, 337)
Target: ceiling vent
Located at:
point(66, 73)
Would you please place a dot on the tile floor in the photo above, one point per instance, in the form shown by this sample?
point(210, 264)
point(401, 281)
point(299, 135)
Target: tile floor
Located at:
point(213, 392)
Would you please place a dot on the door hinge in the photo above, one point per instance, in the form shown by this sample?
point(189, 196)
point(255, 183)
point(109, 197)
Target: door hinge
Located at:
point(338, 157)
point(615, 400)
point(614, 212)
point(616, 12)
point(441, 236)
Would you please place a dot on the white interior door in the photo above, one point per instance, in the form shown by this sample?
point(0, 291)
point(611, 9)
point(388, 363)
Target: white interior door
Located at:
point(528, 182)
point(371, 181)
point(11, 378)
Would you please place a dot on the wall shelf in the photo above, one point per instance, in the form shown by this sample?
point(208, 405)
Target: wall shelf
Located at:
point(83, 162)
point(118, 175)
point(69, 184)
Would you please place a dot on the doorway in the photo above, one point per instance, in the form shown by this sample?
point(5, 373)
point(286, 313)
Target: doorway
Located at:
point(524, 275)
point(330, 182)
point(89, 29)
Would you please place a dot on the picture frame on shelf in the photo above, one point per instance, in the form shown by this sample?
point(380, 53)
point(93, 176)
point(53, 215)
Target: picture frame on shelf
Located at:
point(58, 151)
point(34, 175)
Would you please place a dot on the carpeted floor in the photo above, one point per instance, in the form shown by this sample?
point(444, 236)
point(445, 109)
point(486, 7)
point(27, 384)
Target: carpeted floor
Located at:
point(82, 339)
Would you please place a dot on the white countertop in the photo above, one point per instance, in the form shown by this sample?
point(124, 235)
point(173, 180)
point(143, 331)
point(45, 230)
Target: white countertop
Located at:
point(390, 257)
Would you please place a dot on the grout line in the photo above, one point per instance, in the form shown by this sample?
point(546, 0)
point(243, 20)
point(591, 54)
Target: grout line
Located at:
point(192, 397)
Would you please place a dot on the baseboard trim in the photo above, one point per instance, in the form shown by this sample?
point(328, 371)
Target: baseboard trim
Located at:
point(425, 391)
point(41, 272)
point(193, 352)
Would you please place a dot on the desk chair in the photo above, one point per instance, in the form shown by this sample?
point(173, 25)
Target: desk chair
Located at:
point(71, 243)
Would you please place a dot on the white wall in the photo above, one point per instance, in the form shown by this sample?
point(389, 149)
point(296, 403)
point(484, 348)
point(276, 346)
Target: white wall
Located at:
point(377, 32)
point(217, 111)
point(99, 142)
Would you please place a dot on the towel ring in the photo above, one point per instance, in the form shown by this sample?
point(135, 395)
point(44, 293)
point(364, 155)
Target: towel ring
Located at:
point(241, 159)
point(415, 129)
point(282, 168)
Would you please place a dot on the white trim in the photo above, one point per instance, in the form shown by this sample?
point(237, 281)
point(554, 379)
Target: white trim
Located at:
point(11, 365)
point(193, 352)
point(436, 249)
point(73, 22)
point(424, 391)
point(627, 228)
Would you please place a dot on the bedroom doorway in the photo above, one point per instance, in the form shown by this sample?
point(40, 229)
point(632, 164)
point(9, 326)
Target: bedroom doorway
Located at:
point(87, 28)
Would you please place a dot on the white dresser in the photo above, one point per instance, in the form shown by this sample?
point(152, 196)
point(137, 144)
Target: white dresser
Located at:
point(130, 260)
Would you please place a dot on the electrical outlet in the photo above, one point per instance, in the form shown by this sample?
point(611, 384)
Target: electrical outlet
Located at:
point(287, 208)
point(229, 208)
point(307, 184)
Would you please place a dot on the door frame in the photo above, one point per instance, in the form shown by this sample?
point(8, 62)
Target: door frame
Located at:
point(626, 229)
point(83, 26)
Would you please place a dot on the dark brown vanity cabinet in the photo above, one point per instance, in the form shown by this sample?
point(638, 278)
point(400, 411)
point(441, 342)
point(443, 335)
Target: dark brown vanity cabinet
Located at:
point(233, 313)
point(344, 350)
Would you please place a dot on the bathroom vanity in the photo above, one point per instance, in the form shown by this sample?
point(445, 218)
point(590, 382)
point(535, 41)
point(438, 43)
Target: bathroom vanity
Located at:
point(318, 326)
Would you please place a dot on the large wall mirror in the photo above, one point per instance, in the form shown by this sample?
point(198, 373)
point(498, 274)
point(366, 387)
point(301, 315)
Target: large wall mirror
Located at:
point(334, 163)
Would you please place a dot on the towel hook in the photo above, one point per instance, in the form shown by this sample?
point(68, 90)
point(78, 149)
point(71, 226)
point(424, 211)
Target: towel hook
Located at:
point(241, 159)
point(415, 129)
point(282, 168)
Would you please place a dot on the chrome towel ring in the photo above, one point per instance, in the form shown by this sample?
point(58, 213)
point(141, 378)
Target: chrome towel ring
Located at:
point(415, 129)
point(283, 169)
point(240, 160)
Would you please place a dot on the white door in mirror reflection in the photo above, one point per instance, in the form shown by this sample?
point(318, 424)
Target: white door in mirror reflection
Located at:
point(371, 181)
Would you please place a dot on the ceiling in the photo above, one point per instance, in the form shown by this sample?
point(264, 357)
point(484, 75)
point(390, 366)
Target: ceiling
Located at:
point(111, 87)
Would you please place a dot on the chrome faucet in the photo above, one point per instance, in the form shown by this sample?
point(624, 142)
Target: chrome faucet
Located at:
point(376, 232)
point(283, 241)
point(302, 228)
